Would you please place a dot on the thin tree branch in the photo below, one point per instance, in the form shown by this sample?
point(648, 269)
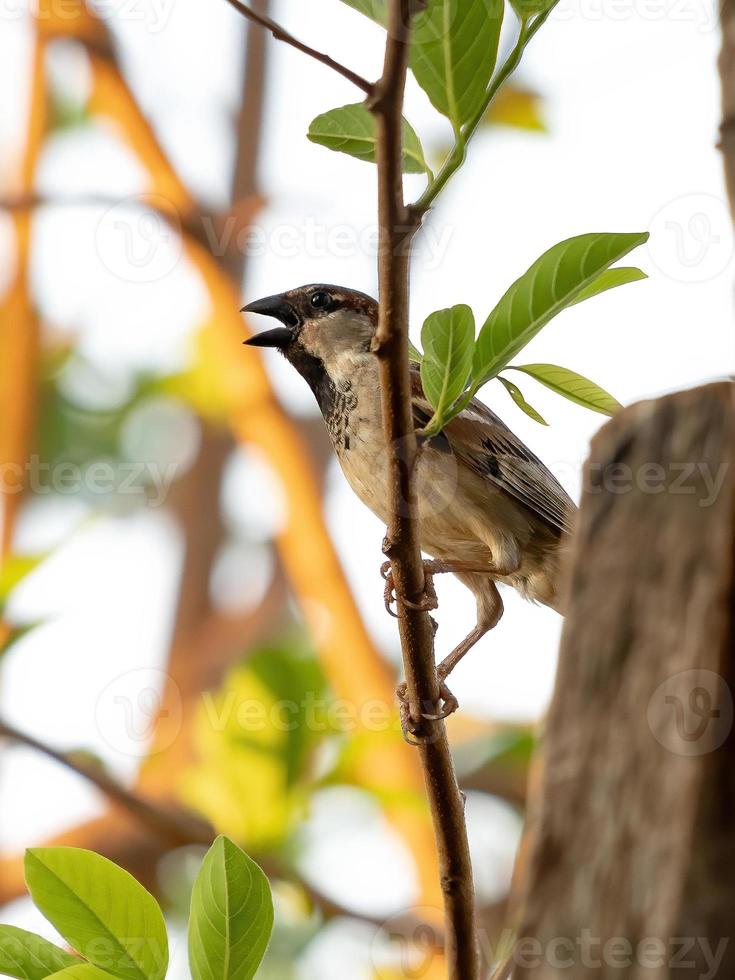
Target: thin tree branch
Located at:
point(175, 825)
point(280, 34)
point(397, 228)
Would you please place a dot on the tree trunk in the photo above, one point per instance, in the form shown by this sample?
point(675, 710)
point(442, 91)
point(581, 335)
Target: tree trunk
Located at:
point(727, 80)
point(630, 871)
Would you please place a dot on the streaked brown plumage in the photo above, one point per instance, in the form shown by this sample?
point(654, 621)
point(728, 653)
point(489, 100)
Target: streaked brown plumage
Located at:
point(489, 510)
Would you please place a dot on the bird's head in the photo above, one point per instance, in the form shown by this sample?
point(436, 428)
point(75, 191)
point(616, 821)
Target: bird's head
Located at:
point(318, 323)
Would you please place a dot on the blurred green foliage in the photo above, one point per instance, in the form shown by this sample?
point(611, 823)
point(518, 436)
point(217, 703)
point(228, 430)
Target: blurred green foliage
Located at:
point(257, 739)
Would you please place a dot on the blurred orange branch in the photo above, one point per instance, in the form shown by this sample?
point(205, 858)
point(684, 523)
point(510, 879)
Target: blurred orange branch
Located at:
point(19, 328)
point(355, 669)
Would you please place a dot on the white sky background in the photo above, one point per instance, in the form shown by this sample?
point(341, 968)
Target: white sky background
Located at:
point(632, 104)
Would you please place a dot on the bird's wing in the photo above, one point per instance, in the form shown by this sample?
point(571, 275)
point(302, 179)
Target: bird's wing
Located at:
point(484, 443)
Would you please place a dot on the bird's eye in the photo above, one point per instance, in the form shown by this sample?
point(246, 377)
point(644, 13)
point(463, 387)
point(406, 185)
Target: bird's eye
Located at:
point(320, 300)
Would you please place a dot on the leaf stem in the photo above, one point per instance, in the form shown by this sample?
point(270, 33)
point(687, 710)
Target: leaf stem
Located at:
point(459, 152)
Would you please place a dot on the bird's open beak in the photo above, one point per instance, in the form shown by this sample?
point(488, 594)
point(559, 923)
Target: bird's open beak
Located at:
point(278, 307)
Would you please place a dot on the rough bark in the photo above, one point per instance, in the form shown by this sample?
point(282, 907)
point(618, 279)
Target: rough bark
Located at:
point(727, 81)
point(634, 831)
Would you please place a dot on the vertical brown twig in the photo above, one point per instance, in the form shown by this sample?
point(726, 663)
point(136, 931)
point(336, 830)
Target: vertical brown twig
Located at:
point(398, 225)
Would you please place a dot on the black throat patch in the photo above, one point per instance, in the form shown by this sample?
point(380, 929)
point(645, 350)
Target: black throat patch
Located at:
point(335, 404)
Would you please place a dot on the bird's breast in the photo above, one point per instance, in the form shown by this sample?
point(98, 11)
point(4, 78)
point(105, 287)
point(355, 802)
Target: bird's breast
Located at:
point(355, 429)
point(339, 416)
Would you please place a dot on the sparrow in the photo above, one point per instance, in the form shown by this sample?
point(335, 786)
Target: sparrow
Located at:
point(489, 511)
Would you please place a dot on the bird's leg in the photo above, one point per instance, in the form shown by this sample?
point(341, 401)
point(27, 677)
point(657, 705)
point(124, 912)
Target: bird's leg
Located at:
point(432, 567)
point(489, 612)
point(448, 664)
point(437, 566)
point(443, 670)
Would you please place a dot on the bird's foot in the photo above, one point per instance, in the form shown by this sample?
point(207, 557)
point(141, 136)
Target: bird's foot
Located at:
point(411, 729)
point(428, 602)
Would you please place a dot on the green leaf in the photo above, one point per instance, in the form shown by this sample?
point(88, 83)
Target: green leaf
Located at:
point(516, 394)
point(82, 971)
point(101, 911)
point(374, 9)
point(231, 915)
point(527, 8)
point(30, 957)
point(609, 280)
point(414, 354)
point(448, 338)
point(245, 752)
point(552, 283)
point(573, 386)
point(291, 672)
point(454, 48)
point(351, 129)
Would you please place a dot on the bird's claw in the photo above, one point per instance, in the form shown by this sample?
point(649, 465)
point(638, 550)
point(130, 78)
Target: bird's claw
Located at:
point(411, 728)
point(427, 603)
point(449, 704)
point(389, 592)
